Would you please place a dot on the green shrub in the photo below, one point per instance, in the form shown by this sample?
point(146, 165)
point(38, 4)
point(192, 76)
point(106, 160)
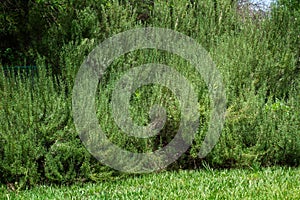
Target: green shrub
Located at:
point(257, 59)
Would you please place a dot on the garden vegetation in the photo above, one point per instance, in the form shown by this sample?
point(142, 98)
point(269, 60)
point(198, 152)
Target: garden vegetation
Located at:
point(44, 42)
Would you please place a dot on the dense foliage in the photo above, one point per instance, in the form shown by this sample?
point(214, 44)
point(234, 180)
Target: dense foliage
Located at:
point(257, 54)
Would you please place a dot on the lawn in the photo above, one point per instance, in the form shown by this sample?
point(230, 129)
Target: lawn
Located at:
point(266, 183)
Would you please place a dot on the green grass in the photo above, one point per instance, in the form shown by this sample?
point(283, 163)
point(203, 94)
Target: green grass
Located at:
point(266, 183)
